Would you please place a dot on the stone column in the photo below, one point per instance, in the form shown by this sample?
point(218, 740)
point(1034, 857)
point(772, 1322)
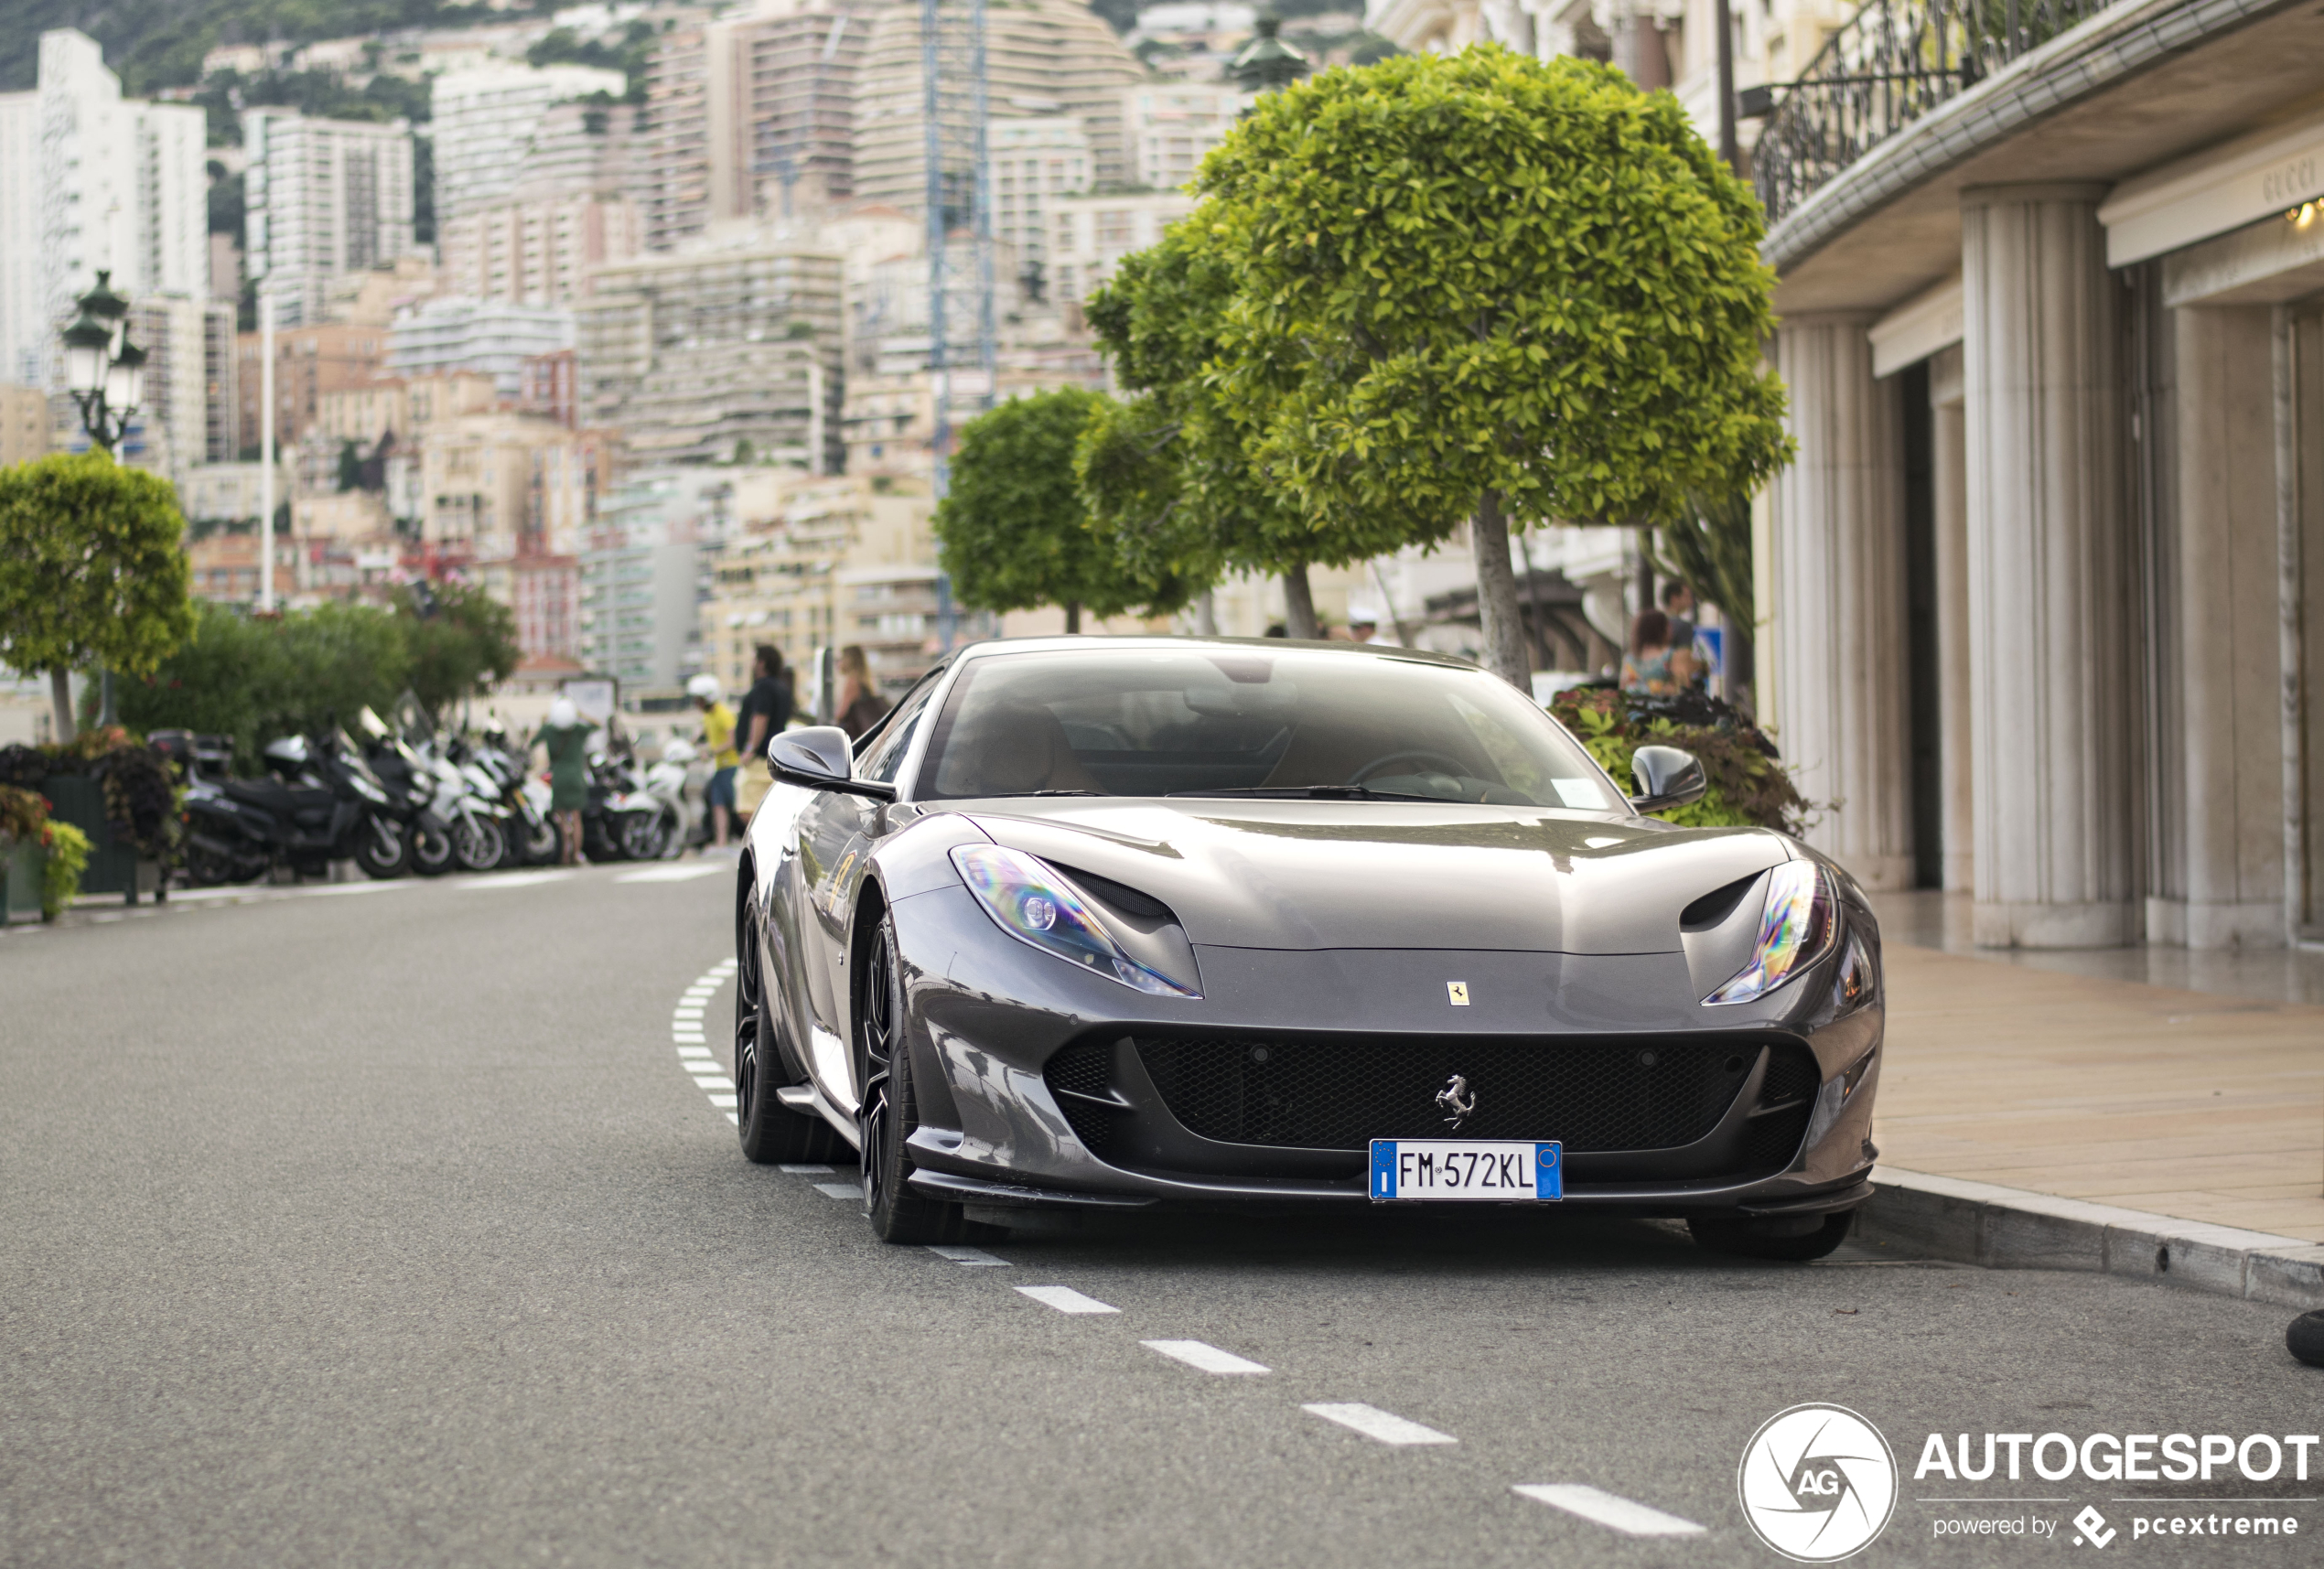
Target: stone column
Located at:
point(2231, 670)
point(1838, 573)
point(2051, 665)
point(1955, 747)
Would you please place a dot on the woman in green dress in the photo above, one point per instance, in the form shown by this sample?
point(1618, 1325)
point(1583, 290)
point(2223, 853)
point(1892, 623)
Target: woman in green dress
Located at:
point(566, 738)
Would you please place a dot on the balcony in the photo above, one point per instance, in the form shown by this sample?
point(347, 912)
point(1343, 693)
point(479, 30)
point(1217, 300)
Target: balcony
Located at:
point(1895, 62)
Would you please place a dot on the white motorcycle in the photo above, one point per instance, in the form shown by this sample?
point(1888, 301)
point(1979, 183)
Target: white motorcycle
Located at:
point(660, 833)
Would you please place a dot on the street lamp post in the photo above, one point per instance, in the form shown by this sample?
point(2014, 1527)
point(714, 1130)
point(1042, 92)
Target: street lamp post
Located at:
point(106, 375)
point(104, 370)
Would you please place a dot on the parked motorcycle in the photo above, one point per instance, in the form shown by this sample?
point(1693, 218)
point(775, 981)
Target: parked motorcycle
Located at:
point(412, 788)
point(320, 802)
point(533, 837)
point(650, 836)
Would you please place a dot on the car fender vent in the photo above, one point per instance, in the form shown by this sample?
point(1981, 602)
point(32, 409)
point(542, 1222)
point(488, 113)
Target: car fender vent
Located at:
point(1081, 1078)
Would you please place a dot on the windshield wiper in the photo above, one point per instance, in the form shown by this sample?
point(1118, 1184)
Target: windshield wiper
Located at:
point(1312, 792)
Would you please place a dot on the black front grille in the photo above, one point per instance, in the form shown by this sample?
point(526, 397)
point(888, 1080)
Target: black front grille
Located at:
point(1081, 1070)
point(1338, 1095)
point(1773, 1139)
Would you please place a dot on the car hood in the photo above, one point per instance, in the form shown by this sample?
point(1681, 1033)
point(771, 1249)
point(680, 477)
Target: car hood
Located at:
point(1323, 874)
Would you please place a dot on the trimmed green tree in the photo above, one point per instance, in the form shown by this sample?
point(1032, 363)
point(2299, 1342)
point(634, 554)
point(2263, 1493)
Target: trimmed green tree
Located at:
point(92, 572)
point(1485, 286)
point(1012, 531)
point(1168, 476)
point(459, 639)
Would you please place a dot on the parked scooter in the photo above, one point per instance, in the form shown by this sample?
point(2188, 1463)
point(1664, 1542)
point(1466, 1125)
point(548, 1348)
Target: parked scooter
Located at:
point(650, 836)
point(533, 837)
point(320, 803)
point(411, 788)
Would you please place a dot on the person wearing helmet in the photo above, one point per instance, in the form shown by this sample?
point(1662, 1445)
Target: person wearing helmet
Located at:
point(565, 738)
point(718, 735)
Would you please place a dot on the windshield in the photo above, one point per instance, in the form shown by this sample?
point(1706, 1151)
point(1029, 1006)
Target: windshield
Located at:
point(1152, 722)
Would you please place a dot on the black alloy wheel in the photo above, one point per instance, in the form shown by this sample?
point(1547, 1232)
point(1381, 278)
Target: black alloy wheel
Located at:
point(381, 851)
point(771, 1130)
point(887, 1117)
point(1790, 1239)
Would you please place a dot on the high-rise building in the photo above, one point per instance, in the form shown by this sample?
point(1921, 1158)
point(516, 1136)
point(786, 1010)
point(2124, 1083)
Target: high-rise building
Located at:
point(309, 363)
point(1167, 129)
point(484, 119)
point(645, 571)
point(716, 350)
point(1037, 163)
point(23, 423)
point(753, 114)
point(187, 418)
point(325, 197)
point(89, 180)
point(1089, 234)
point(492, 337)
point(1041, 56)
point(537, 253)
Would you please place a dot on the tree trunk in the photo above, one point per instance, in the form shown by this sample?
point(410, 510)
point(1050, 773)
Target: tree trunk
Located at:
point(61, 694)
point(1206, 615)
point(1497, 614)
point(1299, 604)
point(1072, 616)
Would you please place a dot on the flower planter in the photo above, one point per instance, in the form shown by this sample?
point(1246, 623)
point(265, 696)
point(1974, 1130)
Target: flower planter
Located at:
point(21, 866)
point(80, 799)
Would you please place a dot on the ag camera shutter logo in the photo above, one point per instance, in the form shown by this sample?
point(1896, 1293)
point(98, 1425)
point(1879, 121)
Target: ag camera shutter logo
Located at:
point(1817, 1483)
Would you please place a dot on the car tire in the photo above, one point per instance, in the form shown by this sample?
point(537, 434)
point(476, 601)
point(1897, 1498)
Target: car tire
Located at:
point(772, 1131)
point(887, 1115)
point(1785, 1239)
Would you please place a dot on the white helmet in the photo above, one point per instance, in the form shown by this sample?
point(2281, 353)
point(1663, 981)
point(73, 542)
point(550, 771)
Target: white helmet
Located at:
point(705, 686)
point(562, 714)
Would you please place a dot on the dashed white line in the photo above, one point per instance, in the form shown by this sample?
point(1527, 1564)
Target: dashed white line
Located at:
point(717, 1083)
point(805, 1170)
point(693, 1038)
point(1374, 1423)
point(839, 1190)
point(1065, 1299)
point(514, 880)
point(725, 1102)
point(680, 872)
point(1605, 1508)
point(1209, 1358)
point(976, 1258)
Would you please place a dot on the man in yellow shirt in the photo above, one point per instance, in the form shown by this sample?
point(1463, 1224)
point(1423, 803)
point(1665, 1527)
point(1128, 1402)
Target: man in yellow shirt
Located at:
point(718, 735)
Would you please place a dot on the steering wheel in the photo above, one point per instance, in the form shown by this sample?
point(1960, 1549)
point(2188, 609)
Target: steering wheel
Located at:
point(1453, 766)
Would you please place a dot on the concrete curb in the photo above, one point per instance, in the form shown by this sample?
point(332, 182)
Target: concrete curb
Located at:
point(2009, 1228)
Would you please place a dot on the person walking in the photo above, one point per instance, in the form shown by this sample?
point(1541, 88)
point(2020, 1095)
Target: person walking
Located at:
point(860, 707)
point(765, 714)
point(719, 738)
point(1654, 667)
point(566, 738)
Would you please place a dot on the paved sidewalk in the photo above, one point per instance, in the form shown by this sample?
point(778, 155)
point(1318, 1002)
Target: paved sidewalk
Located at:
point(2047, 1074)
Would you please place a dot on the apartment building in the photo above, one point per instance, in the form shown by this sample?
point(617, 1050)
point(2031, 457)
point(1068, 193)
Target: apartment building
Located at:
point(484, 118)
point(324, 197)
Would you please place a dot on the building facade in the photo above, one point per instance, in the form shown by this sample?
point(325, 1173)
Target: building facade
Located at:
point(2039, 590)
point(324, 197)
point(1167, 128)
point(492, 337)
point(1036, 162)
point(89, 180)
point(537, 253)
point(483, 121)
point(716, 352)
point(310, 362)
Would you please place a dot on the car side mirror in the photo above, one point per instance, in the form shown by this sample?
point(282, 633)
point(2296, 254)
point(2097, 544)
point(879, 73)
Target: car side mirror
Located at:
point(820, 758)
point(1667, 777)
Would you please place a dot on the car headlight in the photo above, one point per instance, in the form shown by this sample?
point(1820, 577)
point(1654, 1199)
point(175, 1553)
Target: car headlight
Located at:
point(1039, 908)
point(1795, 930)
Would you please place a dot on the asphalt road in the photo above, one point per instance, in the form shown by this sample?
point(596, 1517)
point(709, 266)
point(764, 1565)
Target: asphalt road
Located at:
point(387, 1227)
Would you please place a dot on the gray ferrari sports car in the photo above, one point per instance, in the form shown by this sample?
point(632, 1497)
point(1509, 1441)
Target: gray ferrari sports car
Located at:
point(1128, 922)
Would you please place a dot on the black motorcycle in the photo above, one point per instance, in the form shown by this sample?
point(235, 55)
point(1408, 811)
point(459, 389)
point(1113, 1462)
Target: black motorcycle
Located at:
point(320, 802)
point(411, 788)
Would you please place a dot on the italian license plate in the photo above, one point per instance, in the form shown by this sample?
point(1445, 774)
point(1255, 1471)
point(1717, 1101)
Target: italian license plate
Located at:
point(1502, 1171)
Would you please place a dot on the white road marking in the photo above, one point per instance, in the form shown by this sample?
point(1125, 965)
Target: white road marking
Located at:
point(694, 1053)
point(973, 1257)
point(1605, 1509)
point(839, 1190)
point(1065, 1299)
point(725, 1102)
point(355, 888)
point(511, 879)
point(1373, 1422)
point(686, 1011)
point(1209, 1358)
point(689, 1038)
point(734, 1119)
point(806, 1170)
point(680, 872)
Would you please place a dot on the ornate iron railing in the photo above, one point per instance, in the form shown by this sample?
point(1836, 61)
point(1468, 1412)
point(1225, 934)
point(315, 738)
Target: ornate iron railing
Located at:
point(1894, 62)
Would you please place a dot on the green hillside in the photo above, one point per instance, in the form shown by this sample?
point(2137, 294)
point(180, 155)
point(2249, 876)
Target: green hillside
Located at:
point(160, 43)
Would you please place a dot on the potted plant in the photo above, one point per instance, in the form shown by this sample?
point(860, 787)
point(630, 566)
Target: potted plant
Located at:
point(44, 858)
